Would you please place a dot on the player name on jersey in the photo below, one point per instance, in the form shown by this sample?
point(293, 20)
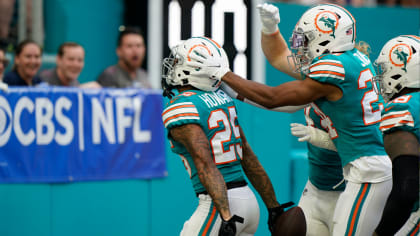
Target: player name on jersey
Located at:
point(215, 99)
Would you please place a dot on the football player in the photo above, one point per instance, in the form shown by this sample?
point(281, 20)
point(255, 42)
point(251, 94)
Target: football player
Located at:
point(398, 67)
point(337, 78)
point(204, 130)
point(325, 181)
point(325, 178)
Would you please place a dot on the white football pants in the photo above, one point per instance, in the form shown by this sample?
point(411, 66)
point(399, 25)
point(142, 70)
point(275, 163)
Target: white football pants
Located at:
point(206, 220)
point(359, 208)
point(318, 206)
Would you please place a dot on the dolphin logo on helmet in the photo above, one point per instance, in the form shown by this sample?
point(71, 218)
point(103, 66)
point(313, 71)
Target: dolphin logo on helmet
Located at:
point(323, 29)
point(328, 21)
point(402, 56)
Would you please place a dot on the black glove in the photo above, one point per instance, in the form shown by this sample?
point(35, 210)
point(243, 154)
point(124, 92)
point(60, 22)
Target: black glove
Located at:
point(228, 228)
point(275, 212)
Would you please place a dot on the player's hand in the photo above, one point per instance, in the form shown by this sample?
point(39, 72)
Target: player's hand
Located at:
point(4, 86)
point(228, 228)
point(275, 212)
point(206, 65)
point(302, 132)
point(270, 17)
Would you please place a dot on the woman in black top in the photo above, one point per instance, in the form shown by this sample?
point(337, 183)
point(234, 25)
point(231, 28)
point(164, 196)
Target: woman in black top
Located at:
point(27, 62)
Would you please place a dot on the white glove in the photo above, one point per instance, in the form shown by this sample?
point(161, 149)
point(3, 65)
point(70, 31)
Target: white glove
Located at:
point(302, 132)
point(207, 66)
point(313, 135)
point(4, 86)
point(270, 17)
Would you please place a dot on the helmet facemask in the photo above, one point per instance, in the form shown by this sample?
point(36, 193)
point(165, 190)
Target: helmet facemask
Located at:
point(378, 81)
point(301, 55)
point(168, 72)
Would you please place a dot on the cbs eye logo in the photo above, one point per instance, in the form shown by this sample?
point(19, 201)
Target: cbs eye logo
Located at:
point(5, 121)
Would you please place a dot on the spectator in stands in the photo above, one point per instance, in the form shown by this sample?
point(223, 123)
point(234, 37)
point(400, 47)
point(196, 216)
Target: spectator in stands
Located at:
point(127, 72)
point(3, 63)
point(6, 14)
point(27, 62)
point(70, 62)
point(404, 3)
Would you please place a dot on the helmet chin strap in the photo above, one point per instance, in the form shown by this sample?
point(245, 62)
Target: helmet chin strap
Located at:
point(167, 89)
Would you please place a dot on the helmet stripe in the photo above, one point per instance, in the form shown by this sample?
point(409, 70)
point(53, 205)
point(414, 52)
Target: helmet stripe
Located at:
point(350, 15)
point(214, 43)
point(197, 45)
point(413, 37)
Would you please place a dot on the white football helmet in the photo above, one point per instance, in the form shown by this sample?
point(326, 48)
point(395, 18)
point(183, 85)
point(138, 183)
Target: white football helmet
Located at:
point(176, 72)
point(398, 66)
point(325, 28)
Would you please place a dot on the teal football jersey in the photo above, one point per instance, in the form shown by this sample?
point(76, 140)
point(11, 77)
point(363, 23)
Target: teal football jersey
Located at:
point(325, 170)
point(402, 113)
point(216, 113)
point(353, 120)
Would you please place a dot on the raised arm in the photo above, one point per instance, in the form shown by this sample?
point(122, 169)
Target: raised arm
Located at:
point(195, 141)
point(273, 43)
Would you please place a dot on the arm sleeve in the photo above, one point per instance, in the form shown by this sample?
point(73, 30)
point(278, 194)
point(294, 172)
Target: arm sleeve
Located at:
point(403, 196)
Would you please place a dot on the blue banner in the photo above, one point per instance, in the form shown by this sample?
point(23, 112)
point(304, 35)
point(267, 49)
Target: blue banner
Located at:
point(58, 134)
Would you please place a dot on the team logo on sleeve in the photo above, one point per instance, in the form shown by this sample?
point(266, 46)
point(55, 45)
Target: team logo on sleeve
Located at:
point(400, 55)
point(326, 22)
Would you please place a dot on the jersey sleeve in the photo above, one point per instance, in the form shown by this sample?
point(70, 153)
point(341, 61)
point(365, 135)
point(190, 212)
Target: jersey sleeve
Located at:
point(396, 116)
point(327, 69)
point(180, 111)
